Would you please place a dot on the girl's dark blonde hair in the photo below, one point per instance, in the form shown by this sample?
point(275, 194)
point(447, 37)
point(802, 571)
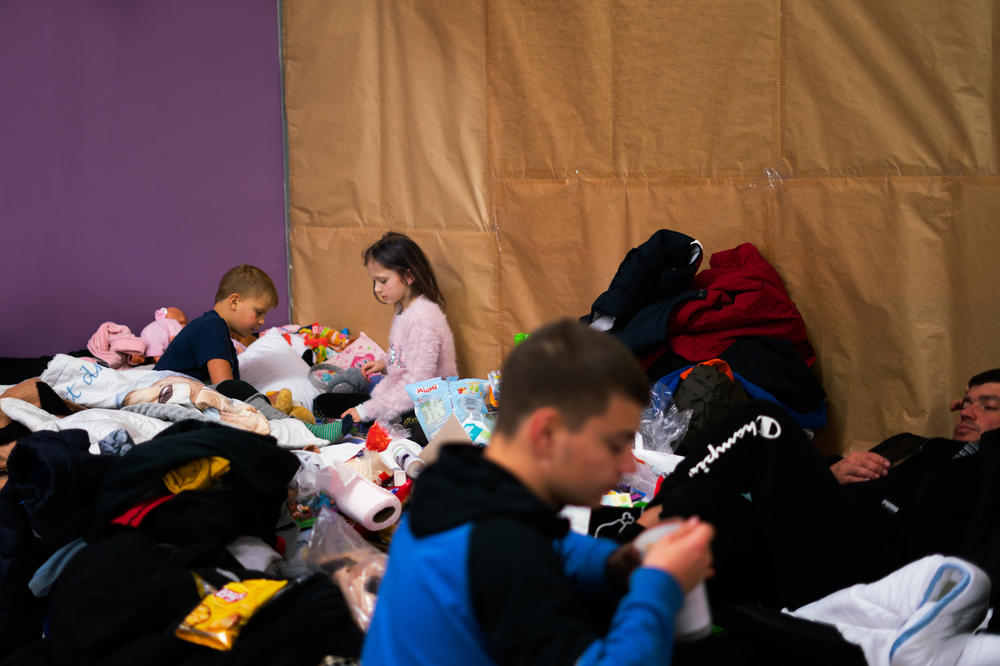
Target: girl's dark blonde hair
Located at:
point(397, 252)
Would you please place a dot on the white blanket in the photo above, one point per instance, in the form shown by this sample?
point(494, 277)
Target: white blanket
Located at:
point(92, 385)
point(920, 615)
point(100, 422)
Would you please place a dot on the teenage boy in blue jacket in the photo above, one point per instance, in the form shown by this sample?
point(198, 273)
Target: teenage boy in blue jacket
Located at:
point(483, 570)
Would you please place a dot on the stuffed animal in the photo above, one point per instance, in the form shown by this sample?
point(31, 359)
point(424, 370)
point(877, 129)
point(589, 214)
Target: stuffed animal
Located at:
point(331, 378)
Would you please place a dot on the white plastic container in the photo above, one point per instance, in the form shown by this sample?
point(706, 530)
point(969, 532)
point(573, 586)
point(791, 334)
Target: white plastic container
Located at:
point(404, 454)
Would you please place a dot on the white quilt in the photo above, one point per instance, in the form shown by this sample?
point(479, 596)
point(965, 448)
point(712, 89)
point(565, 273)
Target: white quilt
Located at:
point(104, 390)
point(92, 385)
point(98, 422)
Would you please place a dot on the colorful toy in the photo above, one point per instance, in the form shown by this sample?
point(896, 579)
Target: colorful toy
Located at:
point(323, 339)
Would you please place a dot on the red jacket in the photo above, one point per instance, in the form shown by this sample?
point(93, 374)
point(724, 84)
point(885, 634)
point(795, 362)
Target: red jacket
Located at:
point(745, 297)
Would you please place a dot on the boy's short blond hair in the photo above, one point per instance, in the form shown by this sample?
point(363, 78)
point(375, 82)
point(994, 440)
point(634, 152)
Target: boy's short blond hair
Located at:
point(249, 282)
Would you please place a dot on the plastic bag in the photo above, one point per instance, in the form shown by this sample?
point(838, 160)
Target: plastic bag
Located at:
point(309, 489)
point(643, 479)
point(431, 402)
point(662, 425)
point(355, 565)
point(434, 400)
point(467, 400)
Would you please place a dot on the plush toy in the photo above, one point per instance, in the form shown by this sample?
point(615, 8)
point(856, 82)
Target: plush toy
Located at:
point(166, 324)
point(321, 340)
point(282, 401)
point(330, 378)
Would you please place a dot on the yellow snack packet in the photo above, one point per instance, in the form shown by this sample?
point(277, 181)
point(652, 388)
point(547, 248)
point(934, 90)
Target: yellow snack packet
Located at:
point(197, 474)
point(217, 620)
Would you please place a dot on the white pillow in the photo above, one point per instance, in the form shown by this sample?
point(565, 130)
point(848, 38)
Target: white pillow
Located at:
point(271, 364)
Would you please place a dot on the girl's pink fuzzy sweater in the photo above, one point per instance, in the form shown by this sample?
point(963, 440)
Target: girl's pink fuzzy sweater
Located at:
point(421, 346)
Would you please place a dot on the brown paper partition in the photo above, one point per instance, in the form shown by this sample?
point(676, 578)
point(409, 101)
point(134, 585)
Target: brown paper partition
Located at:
point(528, 145)
point(890, 88)
point(631, 88)
point(386, 126)
point(878, 269)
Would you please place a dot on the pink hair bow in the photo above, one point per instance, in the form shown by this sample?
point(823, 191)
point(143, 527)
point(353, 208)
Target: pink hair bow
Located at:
point(160, 314)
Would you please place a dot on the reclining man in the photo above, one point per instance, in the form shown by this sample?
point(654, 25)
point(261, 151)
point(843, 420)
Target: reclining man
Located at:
point(789, 533)
point(979, 411)
point(482, 570)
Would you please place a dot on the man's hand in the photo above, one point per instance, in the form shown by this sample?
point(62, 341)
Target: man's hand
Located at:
point(650, 517)
point(860, 466)
point(684, 553)
point(620, 565)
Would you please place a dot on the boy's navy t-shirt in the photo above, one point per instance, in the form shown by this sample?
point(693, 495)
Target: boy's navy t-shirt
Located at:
point(204, 338)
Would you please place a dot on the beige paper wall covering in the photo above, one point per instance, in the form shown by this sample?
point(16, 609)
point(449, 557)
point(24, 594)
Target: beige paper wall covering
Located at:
point(527, 145)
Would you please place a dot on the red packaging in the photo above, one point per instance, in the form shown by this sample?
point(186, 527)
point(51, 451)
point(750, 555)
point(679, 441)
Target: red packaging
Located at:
point(378, 439)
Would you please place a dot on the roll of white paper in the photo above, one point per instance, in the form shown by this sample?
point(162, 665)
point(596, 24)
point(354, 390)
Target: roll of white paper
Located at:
point(694, 619)
point(363, 501)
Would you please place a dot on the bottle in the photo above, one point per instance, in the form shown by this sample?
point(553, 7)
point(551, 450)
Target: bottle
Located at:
point(411, 464)
point(404, 454)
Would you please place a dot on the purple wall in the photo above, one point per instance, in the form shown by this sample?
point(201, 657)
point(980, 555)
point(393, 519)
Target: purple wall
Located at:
point(140, 158)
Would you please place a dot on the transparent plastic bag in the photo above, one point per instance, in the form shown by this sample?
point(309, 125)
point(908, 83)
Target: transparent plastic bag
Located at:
point(643, 479)
point(309, 489)
point(397, 431)
point(367, 463)
point(312, 477)
point(662, 425)
point(355, 565)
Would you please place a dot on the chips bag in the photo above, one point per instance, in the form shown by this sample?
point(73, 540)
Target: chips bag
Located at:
point(217, 620)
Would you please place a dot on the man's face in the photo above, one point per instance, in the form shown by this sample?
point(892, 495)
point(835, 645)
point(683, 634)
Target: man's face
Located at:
point(978, 412)
point(592, 460)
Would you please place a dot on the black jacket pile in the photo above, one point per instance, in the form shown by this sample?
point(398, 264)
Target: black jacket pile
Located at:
point(119, 599)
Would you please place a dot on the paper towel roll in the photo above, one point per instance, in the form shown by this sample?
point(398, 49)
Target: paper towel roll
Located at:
point(363, 501)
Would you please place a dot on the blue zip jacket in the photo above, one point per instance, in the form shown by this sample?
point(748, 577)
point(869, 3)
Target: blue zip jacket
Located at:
point(482, 572)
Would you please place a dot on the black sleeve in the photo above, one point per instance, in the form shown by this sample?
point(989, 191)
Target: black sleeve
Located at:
point(523, 602)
